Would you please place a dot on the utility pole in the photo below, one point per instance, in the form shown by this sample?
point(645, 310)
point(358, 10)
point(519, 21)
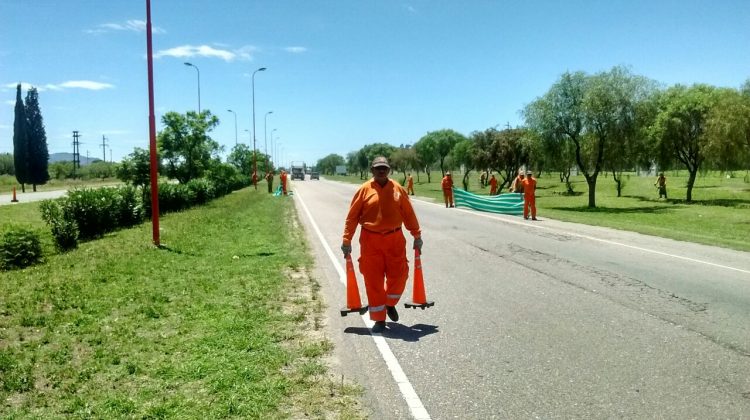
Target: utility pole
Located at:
point(76, 153)
point(507, 125)
point(104, 145)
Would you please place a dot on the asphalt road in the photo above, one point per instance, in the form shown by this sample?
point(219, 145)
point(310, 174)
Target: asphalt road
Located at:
point(542, 320)
point(30, 196)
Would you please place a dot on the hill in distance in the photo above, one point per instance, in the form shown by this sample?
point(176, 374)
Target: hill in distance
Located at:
point(68, 157)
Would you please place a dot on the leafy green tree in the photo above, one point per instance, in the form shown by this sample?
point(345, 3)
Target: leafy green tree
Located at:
point(427, 153)
point(728, 130)
point(593, 113)
point(466, 154)
point(505, 152)
point(6, 164)
point(613, 104)
point(438, 145)
point(403, 159)
point(21, 142)
point(38, 157)
point(679, 129)
point(327, 165)
point(186, 146)
point(241, 158)
point(135, 169)
point(62, 170)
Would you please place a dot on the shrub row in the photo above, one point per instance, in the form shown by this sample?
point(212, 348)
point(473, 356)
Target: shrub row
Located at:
point(89, 213)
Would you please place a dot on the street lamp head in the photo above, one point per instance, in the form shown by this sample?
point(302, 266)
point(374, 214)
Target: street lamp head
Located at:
point(189, 64)
point(262, 69)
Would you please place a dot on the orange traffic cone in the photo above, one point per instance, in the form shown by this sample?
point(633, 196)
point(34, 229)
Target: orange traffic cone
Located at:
point(418, 297)
point(14, 200)
point(353, 303)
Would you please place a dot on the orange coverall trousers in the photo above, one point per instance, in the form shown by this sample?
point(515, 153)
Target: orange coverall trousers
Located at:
point(384, 266)
point(448, 195)
point(529, 202)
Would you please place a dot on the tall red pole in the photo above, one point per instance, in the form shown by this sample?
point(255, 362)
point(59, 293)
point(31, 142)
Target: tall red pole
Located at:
point(152, 132)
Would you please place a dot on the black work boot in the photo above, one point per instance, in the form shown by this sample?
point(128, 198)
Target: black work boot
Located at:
point(392, 313)
point(379, 327)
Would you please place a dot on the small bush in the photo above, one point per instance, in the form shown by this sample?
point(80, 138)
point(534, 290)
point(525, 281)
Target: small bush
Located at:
point(202, 189)
point(64, 231)
point(19, 248)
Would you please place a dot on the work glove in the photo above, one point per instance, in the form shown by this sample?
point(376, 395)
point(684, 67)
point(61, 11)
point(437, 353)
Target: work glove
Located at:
point(418, 244)
point(346, 249)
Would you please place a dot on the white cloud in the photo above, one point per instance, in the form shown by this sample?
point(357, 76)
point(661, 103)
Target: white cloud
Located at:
point(246, 52)
point(132, 25)
point(295, 50)
point(85, 84)
point(188, 51)
point(10, 102)
point(4, 127)
point(409, 8)
point(71, 84)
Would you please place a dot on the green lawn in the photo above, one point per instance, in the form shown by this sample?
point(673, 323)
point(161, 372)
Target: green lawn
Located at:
point(224, 321)
point(719, 214)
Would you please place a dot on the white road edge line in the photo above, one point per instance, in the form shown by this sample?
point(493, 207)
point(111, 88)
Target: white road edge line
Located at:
point(407, 390)
point(592, 238)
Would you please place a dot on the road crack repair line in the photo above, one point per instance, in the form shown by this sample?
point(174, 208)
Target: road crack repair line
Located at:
point(631, 293)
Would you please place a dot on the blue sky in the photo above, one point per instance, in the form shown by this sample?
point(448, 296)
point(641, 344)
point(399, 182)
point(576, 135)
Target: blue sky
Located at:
point(341, 74)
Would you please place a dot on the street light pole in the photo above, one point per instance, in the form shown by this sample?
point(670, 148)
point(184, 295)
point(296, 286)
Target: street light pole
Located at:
point(265, 136)
point(273, 149)
point(255, 159)
point(235, 126)
point(199, 83)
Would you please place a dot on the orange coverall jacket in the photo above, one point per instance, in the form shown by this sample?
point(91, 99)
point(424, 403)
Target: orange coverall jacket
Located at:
point(282, 178)
point(493, 186)
point(381, 211)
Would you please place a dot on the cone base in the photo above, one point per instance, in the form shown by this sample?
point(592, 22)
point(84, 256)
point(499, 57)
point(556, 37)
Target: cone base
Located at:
point(14, 201)
point(419, 305)
point(347, 311)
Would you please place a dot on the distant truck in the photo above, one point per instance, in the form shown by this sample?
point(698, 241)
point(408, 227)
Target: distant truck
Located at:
point(298, 171)
point(341, 170)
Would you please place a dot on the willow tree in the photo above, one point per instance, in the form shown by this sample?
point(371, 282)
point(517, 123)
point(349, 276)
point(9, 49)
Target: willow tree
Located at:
point(593, 113)
point(679, 129)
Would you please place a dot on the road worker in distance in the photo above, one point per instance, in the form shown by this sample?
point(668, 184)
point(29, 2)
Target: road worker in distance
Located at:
point(447, 185)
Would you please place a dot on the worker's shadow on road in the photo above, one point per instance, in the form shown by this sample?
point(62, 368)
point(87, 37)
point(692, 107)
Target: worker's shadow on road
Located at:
point(398, 331)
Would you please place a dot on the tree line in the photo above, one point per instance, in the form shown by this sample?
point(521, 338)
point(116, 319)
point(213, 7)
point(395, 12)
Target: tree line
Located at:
point(608, 122)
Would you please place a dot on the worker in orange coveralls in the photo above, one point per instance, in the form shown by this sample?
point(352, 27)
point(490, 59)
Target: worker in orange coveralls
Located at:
point(381, 206)
point(410, 185)
point(447, 185)
point(282, 178)
point(493, 185)
point(529, 200)
point(269, 179)
point(517, 184)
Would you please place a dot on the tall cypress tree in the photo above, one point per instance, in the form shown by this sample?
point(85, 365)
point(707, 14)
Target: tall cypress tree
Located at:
point(37, 138)
point(20, 142)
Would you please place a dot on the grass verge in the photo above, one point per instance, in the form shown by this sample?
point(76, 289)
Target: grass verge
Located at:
point(223, 321)
point(718, 215)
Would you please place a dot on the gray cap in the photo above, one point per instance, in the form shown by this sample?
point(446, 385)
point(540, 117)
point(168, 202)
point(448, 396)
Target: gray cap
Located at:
point(380, 161)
